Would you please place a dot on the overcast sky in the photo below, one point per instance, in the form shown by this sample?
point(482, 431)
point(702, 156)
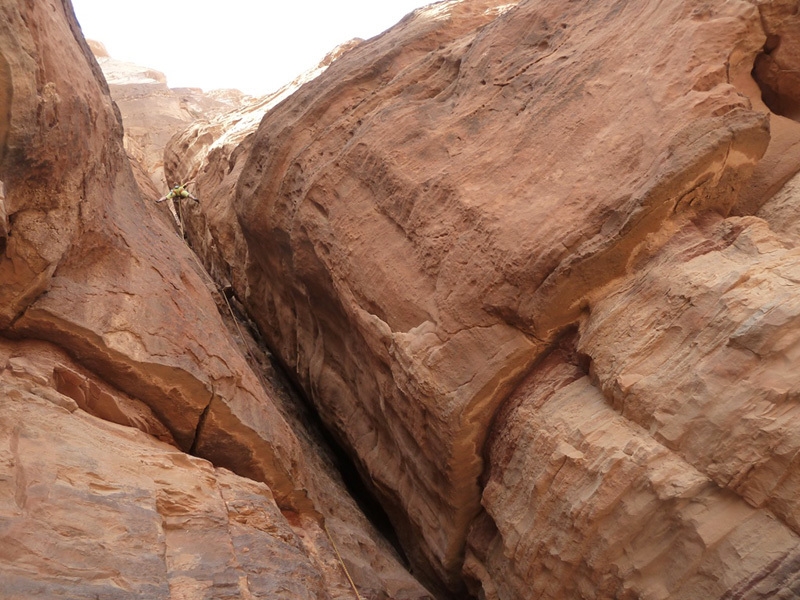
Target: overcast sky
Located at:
point(253, 45)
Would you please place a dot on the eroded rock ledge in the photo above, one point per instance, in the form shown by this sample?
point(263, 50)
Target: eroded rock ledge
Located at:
point(532, 262)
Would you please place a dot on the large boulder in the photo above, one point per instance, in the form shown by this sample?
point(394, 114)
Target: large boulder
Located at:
point(447, 237)
point(92, 509)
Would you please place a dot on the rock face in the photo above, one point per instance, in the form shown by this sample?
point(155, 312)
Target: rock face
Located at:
point(173, 525)
point(534, 263)
point(116, 365)
point(509, 251)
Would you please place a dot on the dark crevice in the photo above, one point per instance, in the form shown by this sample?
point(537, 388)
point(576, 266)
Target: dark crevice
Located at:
point(565, 344)
point(778, 84)
point(358, 489)
point(6, 95)
point(200, 425)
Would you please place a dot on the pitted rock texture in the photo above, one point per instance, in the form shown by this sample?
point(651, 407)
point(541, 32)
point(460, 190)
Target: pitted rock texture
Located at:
point(105, 311)
point(422, 224)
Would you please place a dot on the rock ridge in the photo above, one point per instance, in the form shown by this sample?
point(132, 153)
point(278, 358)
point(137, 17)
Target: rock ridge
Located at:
point(532, 263)
point(104, 310)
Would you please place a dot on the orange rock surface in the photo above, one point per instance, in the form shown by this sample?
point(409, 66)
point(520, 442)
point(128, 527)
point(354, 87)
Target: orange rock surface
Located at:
point(533, 263)
point(118, 371)
point(418, 228)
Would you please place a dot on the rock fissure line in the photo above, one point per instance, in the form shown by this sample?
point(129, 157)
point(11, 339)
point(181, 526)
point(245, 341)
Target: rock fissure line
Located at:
point(201, 421)
point(345, 465)
point(583, 155)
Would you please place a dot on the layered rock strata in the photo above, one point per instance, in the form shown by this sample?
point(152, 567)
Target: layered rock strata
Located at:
point(423, 225)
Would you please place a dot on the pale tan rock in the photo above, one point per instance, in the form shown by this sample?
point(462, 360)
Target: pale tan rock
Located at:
point(582, 503)
point(703, 366)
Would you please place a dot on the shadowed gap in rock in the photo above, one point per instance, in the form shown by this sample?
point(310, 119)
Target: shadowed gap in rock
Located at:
point(778, 84)
point(6, 92)
point(357, 488)
point(5, 124)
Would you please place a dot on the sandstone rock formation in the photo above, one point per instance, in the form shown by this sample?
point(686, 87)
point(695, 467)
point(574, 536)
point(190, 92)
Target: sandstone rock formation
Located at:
point(117, 372)
point(495, 245)
point(142, 521)
point(534, 263)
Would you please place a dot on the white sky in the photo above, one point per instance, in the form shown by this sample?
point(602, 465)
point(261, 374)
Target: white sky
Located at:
point(252, 45)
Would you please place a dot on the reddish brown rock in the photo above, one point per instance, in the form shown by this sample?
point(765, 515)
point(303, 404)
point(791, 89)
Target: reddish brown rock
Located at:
point(493, 246)
point(423, 219)
point(212, 153)
point(142, 520)
point(774, 82)
point(776, 67)
point(88, 268)
point(582, 501)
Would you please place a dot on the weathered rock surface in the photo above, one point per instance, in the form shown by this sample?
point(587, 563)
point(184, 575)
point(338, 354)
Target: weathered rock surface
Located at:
point(104, 310)
point(219, 144)
point(141, 521)
point(527, 260)
point(416, 229)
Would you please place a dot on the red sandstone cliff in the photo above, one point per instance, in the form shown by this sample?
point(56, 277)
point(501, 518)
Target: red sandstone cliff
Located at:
point(142, 457)
point(497, 247)
point(533, 263)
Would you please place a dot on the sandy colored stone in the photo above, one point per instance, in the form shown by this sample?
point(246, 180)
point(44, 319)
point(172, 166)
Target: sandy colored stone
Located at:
point(582, 503)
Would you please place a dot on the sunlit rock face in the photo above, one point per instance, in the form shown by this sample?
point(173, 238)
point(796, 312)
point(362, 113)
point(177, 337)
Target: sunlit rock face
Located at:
point(534, 264)
point(140, 453)
point(495, 246)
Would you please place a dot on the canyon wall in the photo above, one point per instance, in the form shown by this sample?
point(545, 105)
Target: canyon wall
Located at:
point(533, 264)
point(142, 456)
